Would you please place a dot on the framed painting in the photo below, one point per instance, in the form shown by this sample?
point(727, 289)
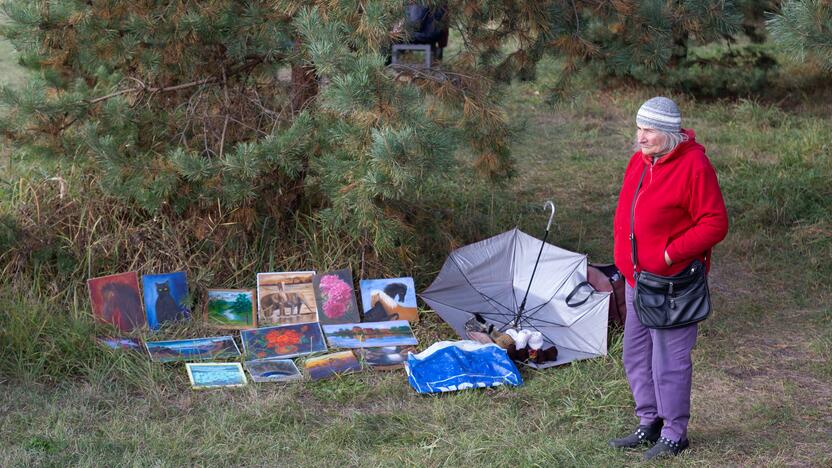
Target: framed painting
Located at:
point(230, 308)
point(121, 343)
point(386, 357)
point(116, 299)
point(164, 298)
point(389, 299)
point(217, 347)
point(331, 364)
point(277, 370)
point(283, 341)
point(215, 374)
point(335, 296)
point(370, 334)
point(286, 298)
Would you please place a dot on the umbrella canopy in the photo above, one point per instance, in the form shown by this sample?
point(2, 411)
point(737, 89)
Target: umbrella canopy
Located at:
point(490, 278)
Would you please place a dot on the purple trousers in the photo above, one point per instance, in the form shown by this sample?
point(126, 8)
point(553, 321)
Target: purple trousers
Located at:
point(659, 369)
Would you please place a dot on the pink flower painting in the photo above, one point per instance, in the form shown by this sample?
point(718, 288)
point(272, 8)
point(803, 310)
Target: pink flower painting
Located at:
point(336, 297)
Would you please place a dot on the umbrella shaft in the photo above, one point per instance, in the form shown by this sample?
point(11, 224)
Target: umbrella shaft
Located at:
point(534, 270)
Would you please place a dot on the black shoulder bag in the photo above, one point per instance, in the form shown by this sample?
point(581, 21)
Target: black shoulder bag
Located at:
point(668, 301)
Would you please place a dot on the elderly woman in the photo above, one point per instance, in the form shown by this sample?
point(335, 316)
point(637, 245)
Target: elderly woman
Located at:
point(677, 217)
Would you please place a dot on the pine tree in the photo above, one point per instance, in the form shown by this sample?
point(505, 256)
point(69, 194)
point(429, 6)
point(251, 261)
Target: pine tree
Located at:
point(282, 107)
point(804, 28)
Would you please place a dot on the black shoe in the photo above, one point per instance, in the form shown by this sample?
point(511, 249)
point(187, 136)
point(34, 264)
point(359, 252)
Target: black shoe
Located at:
point(642, 435)
point(665, 448)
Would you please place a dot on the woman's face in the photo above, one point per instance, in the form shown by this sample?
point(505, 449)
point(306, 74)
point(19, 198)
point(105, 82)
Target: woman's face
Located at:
point(650, 140)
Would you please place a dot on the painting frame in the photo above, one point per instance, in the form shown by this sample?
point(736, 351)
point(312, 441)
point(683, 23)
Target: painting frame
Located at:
point(286, 297)
point(387, 299)
point(165, 304)
point(370, 334)
point(194, 377)
point(117, 300)
point(332, 364)
point(283, 341)
point(166, 350)
point(273, 371)
point(335, 297)
point(207, 313)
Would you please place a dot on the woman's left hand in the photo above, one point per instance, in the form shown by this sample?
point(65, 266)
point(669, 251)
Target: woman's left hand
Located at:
point(667, 259)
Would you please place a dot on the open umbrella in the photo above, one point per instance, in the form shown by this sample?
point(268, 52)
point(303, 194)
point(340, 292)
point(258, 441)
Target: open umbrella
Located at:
point(515, 280)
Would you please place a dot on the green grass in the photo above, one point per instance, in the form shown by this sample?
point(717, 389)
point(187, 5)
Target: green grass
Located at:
point(762, 364)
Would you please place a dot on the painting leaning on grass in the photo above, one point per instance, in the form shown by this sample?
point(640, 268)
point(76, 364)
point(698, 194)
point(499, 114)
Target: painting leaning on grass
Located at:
point(216, 374)
point(200, 348)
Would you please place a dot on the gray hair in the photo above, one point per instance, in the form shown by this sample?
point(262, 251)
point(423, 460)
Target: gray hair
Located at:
point(671, 141)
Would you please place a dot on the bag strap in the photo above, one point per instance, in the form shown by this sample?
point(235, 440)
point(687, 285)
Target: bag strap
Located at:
point(579, 286)
point(633, 220)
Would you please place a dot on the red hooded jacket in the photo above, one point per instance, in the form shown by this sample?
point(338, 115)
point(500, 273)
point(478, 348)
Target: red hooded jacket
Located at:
point(679, 209)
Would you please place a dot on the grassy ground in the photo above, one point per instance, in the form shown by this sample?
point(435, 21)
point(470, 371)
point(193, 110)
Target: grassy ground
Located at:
point(762, 365)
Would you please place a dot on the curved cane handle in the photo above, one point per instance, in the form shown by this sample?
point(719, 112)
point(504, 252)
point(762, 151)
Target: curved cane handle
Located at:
point(551, 204)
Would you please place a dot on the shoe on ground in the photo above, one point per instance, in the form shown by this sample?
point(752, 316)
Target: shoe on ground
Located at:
point(643, 435)
point(666, 448)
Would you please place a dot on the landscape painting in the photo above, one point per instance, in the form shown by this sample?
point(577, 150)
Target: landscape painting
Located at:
point(286, 298)
point(124, 344)
point(384, 358)
point(389, 299)
point(195, 349)
point(164, 298)
point(116, 299)
point(370, 335)
point(216, 374)
point(230, 308)
point(335, 296)
point(336, 363)
point(283, 341)
point(278, 370)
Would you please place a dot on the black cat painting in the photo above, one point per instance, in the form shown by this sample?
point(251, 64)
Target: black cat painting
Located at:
point(164, 297)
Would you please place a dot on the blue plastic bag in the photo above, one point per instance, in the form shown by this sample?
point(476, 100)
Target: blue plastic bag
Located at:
point(447, 366)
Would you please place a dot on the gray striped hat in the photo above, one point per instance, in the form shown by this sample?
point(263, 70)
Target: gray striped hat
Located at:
point(660, 113)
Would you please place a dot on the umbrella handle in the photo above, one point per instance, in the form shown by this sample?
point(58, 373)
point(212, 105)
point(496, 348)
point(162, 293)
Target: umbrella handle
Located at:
point(551, 204)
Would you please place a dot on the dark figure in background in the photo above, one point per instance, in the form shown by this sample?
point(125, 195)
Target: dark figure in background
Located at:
point(122, 306)
point(167, 310)
point(427, 25)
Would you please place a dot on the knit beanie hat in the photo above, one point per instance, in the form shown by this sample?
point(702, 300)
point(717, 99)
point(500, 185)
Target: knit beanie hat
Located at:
point(660, 113)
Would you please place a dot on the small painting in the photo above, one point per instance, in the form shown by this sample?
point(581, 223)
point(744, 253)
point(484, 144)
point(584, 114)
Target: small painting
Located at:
point(389, 299)
point(230, 308)
point(116, 299)
point(196, 349)
point(216, 374)
point(370, 335)
point(164, 297)
point(124, 344)
point(336, 363)
point(335, 297)
point(286, 298)
point(277, 370)
point(283, 341)
point(386, 357)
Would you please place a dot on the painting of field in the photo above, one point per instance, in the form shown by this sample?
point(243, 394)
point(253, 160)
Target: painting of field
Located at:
point(283, 341)
point(216, 374)
point(285, 298)
point(370, 335)
point(230, 308)
point(331, 364)
point(196, 349)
